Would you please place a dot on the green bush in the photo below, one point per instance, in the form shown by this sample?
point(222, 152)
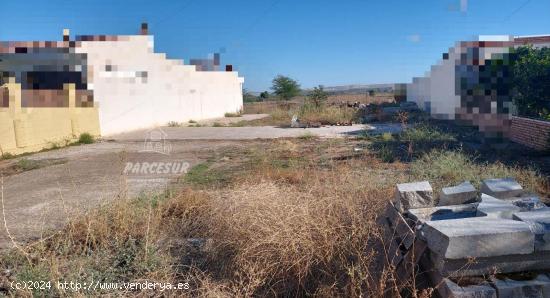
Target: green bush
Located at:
point(7, 155)
point(385, 153)
point(531, 80)
point(86, 138)
point(228, 115)
point(27, 164)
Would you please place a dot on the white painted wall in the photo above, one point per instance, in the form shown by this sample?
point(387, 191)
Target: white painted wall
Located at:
point(444, 100)
point(438, 87)
point(171, 92)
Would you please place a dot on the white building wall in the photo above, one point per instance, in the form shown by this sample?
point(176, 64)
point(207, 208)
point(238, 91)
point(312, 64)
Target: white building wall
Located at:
point(171, 91)
point(438, 88)
point(444, 100)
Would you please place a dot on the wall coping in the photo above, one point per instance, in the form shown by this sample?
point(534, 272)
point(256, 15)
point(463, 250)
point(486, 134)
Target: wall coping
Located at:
point(531, 119)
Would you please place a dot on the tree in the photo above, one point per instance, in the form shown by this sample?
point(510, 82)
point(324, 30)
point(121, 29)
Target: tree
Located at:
point(531, 80)
point(318, 96)
point(264, 95)
point(285, 87)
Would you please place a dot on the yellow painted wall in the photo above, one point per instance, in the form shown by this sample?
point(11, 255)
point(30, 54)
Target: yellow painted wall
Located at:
point(33, 129)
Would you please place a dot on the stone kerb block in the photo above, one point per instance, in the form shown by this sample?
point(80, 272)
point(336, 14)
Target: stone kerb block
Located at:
point(496, 208)
point(528, 203)
point(421, 215)
point(501, 188)
point(478, 237)
point(448, 288)
point(539, 222)
point(508, 288)
point(414, 195)
point(456, 195)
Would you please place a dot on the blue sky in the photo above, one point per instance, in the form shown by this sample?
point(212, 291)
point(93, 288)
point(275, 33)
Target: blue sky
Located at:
point(316, 42)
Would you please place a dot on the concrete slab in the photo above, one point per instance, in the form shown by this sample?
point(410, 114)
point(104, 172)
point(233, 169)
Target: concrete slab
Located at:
point(501, 188)
point(495, 208)
point(478, 237)
point(421, 215)
point(414, 195)
point(508, 288)
point(528, 203)
point(450, 289)
point(456, 195)
point(487, 266)
point(539, 222)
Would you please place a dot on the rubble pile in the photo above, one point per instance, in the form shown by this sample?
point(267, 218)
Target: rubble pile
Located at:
point(491, 243)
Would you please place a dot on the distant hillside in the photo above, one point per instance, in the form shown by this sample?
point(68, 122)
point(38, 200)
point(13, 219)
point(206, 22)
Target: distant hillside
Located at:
point(349, 89)
point(360, 88)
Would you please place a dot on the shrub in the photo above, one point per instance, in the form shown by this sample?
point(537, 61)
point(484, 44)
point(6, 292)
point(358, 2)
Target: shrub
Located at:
point(386, 154)
point(6, 155)
point(86, 138)
point(217, 124)
point(192, 121)
point(228, 115)
point(27, 164)
point(174, 124)
point(318, 96)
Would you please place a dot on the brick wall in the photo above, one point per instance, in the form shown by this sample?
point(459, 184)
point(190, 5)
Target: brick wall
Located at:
point(530, 132)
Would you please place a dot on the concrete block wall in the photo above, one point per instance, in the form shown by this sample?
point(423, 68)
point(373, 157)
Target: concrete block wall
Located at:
point(32, 129)
point(531, 133)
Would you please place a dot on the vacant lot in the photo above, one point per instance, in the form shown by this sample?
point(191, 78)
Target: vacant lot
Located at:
point(289, 217)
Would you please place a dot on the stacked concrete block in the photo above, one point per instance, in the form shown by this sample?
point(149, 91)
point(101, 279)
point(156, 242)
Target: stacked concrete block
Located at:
point(496, 208)
point(456, 195)
point(414, 195)
point(469, 236)
point(539, 223)
point(478, 237)
point(422, 215)
point(501, 188)
point(538, 287)
point(449, 288)
point(529, 203)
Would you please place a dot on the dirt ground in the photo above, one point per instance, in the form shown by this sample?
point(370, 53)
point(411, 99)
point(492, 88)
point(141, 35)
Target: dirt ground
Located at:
point(84, 177)
point(61, 184)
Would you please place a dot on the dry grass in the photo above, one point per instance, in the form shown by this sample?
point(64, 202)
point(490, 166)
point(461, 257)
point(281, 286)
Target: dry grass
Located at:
point(327, 115)
point(294, 220)
point(281, 218)
point(443, 168)
point(280, 113)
